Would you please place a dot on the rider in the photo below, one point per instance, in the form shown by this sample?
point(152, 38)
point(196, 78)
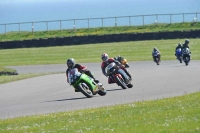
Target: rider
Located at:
point(179, 46)
point(184, 46)
point(122, 61)
point(155, 50)
point(71, 64)
point(106, 61)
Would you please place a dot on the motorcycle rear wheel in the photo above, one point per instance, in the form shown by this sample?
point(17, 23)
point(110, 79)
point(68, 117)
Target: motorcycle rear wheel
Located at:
point(186, 61)
point(130, 85)
point(157, 61)
point(102, 91)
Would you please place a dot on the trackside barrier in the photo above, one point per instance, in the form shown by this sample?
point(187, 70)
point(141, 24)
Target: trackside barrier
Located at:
point(92, 39)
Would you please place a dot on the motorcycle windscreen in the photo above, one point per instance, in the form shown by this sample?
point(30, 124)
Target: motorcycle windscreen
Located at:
point(110, 67)
point(155, 53)
point(186, 51)
point(73, 74)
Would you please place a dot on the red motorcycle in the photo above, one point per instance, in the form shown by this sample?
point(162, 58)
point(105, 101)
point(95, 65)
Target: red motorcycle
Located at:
point(118, 75)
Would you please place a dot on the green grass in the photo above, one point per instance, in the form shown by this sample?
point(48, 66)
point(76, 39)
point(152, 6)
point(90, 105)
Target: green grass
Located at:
point(99, 31)
point(133, 51)
point(169, 115)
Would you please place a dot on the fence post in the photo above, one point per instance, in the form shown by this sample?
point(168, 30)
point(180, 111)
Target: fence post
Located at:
point(143, 19)
point(32, 28)
point(115, 21)
point(19, 27)
point(156, 21)
point(47, 25)
point(5, 28)
point(60, 25)
point(170, 18)
point(197, 17)
point(102, 22)
point(88, 23)
point(183, 18)
point(129, 21)
point(74, 24)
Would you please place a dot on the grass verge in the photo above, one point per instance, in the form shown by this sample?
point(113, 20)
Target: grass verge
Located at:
point(178, 114)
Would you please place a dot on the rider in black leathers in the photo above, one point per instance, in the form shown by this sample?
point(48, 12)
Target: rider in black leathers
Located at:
point(184, 46)
point(156, 50)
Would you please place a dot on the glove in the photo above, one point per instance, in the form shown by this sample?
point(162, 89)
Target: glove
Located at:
point(82, 71)
point(121, 66)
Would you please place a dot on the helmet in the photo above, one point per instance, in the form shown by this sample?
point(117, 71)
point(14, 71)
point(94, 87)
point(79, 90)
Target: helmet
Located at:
point(179, 44)
point(104, 57)
point(187, 41)
point(70, 63)
point(119, 57)
point(154, 48)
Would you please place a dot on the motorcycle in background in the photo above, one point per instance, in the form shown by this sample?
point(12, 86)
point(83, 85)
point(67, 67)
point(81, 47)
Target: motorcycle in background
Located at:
point(186, 56)
point(85, 84)
point(156, 55)
point(179, 54)
point(118, 75)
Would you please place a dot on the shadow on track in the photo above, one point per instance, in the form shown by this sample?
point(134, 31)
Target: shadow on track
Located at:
point(60, 100)
point(115, 89)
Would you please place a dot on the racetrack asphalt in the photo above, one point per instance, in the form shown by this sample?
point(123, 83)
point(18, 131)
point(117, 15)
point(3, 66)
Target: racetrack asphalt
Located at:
point(51, 93)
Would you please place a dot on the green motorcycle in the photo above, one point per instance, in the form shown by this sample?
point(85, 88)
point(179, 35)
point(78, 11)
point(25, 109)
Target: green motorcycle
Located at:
point(85, 84)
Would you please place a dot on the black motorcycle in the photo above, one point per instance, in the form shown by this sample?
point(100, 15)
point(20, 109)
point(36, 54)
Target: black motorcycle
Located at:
point(156, 56)
point(186, 56)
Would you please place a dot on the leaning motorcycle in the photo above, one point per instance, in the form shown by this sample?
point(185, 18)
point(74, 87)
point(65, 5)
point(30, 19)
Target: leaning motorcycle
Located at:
point(179, 54)
point(118, 76)
point(156, 58)
point(186, 56)
point(85, 84)
point(122, 60)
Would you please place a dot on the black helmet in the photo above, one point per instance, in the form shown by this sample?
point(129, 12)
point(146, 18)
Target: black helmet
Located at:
point(119, 57)
point(70, 63)
point(179, 44)
point(187, 41)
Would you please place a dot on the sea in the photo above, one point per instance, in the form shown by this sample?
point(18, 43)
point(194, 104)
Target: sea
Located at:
point(38, 15)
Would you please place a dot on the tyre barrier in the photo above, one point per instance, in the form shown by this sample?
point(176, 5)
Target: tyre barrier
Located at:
point(8, 73)
point(91, 39)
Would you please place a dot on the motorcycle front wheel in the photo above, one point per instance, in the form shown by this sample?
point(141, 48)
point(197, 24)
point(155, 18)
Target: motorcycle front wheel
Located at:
point(157, 61)
point(121, 82)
